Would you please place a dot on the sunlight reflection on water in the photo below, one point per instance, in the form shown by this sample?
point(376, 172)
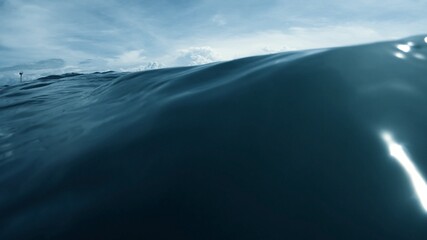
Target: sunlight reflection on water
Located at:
point(404, 47)
point(419, 56)
point(399, 55)
point(398, 152)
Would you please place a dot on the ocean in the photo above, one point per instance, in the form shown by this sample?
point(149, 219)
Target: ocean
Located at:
point(316, 144)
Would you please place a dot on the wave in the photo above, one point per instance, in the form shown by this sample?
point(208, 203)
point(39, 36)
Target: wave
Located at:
point(288, 145)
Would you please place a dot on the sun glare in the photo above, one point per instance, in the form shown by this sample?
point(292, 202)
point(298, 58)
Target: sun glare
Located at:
point(398, 152)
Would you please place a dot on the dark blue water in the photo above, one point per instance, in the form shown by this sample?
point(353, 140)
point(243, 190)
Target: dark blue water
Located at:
point(283, 146)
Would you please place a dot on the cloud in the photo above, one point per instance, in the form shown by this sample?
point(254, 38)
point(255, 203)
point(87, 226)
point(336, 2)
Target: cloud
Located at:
point(269, 50)
point(40, 65)
point(196, 56)
point(219, 20)
point(3, 48)
point(112, 34)
point(144, 67)
point(300, 38)
point(32, 70)
point(133, 57)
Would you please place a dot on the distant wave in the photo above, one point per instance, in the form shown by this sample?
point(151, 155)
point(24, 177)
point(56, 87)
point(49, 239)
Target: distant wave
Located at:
point(281, 146)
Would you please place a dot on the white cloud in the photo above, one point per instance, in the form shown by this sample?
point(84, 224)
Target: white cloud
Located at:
point(39, 65)
point(31, 70)
point(112, 34)
point(143, 67)
point(219, 20)
point(298, 38)
point(196, 56)
point(133, 57)
point(270, 49)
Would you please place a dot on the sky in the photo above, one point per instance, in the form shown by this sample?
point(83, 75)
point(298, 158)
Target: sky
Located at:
point(42, 37)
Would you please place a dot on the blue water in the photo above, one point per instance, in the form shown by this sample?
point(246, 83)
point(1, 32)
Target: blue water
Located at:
point(282, 146)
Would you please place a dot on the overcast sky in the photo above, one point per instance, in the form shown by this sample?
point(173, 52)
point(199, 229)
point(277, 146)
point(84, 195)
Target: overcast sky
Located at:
point(97, 35)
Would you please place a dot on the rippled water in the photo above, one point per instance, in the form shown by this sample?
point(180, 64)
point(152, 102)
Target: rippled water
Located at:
point(318, 144)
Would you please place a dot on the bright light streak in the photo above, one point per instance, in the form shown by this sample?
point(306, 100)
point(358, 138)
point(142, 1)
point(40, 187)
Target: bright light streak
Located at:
point(396, 151)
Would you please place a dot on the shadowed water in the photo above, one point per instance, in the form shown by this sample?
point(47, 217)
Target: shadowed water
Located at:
point(317, 144)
